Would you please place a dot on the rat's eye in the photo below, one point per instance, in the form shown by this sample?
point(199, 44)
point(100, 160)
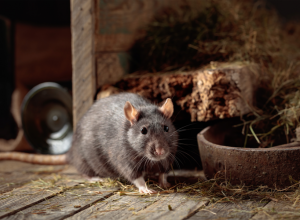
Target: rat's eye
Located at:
point(144, 130)
point(166, 128)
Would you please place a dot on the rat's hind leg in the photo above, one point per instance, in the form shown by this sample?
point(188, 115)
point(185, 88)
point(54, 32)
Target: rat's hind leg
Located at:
point(80, 163)
point(163, 183)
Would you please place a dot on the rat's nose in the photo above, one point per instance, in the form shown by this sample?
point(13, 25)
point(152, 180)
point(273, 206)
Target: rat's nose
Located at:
point(159, 151)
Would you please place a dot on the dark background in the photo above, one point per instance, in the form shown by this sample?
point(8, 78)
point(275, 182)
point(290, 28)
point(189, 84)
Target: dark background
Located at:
point(287, 9)
point(57, 12)
point(28, 29)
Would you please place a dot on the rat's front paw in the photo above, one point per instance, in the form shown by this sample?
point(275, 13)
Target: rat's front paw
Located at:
point(145, 190)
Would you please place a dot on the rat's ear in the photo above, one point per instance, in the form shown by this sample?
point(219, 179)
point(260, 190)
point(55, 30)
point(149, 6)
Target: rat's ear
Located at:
point(167, 109)
point(131, 113)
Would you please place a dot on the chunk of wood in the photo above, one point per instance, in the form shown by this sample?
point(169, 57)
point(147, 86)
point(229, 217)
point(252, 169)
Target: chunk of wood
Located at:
point(206, 94)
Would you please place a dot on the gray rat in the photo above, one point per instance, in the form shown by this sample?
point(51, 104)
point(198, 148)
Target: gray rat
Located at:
point(122, 135)
point(125, 135)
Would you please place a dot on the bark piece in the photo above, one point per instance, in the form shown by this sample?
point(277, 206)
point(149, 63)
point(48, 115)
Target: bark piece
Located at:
point(206, 94)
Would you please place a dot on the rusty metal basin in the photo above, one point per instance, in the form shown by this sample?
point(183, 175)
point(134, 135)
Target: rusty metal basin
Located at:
point(252, 166)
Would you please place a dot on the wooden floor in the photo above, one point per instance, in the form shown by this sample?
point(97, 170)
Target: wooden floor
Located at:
point(58, 192)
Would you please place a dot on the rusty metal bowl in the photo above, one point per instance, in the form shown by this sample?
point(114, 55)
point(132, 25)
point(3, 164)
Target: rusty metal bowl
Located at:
point(273, 167)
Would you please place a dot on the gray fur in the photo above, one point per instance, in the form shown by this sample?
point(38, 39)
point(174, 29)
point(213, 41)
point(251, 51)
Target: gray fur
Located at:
point(106, 145)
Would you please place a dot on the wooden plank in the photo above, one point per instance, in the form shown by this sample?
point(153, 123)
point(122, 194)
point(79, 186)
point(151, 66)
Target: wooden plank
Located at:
point(65, 204)
point(10, 181)
point(185, 208)
point(47, 169)
point(278, 210)
point(11, 166)
point(117, 207)
point(83, 63)
point(69, 170)
point(229, 210)
point(32, 193)
point(173, 206)
point(14, 174)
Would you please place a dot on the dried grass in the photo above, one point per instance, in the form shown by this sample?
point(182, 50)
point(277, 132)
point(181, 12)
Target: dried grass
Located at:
point(234, 31)
point(215, 190)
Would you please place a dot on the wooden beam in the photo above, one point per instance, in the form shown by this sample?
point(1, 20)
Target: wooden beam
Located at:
point(83, 62)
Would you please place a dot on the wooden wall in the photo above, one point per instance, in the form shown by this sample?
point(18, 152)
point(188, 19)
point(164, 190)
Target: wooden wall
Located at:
point(102, 33)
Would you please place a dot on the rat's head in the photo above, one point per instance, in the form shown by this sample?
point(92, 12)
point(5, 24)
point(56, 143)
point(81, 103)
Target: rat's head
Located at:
point(152, 133)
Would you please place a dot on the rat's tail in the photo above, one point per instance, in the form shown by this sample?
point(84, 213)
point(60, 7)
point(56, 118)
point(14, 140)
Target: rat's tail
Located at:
point(35, 158)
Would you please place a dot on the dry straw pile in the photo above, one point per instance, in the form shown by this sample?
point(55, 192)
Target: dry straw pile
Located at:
point(231, 31)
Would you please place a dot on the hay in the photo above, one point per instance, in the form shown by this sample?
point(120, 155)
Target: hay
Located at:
point(215, 190)
point(234, 31)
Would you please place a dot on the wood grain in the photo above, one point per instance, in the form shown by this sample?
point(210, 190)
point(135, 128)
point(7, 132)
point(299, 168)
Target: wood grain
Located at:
point(117, 207)
point(10, 181)
point(8, 166)
point(32, 193)
point(173, 206)
point(238, 210)
point(67, 196)
point(83, 60)
point(278, 210)
point(65, 204)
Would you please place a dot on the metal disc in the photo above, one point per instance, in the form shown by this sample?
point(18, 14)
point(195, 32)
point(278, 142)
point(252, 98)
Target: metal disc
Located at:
point(47, 118)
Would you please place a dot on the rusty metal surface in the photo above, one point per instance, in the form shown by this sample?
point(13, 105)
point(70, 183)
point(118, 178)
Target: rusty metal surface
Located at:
point(251, 166)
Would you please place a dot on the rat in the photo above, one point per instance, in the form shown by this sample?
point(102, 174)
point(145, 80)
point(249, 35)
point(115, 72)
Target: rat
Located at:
point(122, 135)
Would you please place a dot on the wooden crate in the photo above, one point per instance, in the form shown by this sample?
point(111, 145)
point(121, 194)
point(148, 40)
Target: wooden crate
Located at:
point(102, 33)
